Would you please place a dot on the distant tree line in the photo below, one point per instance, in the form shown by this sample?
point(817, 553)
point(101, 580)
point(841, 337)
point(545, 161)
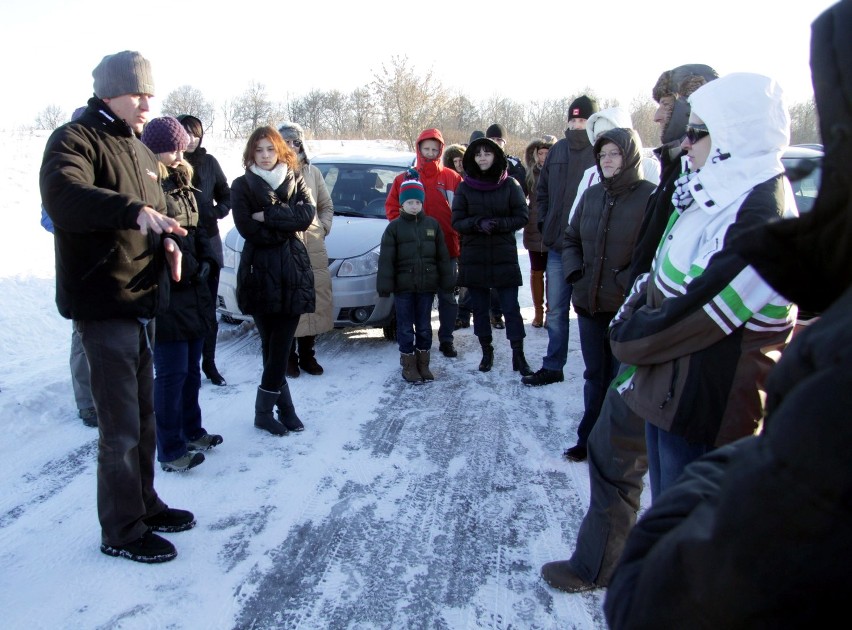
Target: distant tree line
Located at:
point(400, 102)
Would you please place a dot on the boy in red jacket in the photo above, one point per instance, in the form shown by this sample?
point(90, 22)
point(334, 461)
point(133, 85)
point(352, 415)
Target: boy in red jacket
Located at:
point(440, 184)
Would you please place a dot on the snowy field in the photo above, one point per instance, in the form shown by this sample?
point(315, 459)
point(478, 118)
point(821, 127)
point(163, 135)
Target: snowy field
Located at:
point(398, 507)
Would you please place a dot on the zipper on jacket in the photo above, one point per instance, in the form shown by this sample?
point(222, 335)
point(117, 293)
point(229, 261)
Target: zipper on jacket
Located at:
point(100, 263)
point(670, 393)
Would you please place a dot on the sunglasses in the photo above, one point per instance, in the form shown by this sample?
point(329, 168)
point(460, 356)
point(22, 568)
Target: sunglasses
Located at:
point(696, 132)
point(294, 143)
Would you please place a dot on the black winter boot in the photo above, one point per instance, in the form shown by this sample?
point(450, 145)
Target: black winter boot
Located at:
point(307, 356)
point(263, 418)
point(487, 354)
point(287, 411)
point(519, 362)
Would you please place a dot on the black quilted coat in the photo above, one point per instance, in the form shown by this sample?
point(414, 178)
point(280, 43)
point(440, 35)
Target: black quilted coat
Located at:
point(275, 273)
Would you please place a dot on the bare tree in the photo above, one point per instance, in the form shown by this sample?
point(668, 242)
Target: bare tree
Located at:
point(642, 111)
point(337, 115)
point(254, 109)
point(188, 100)
point(50, 118)
point(804, 123)
point(407, 102)
point(308, 111)
point(229, 124)
point(363, 111)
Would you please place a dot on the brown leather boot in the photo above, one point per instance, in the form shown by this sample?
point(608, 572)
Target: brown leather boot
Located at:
point(423, 365)
point(537, 290)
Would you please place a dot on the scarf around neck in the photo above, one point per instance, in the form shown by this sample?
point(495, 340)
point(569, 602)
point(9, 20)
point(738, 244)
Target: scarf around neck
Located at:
point(479, 184)
point(274, 177)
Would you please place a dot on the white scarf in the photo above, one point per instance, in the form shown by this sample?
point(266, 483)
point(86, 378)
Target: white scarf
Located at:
point(274, 177)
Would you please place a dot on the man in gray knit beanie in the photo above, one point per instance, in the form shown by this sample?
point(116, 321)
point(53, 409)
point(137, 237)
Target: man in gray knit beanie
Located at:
point(114, 248)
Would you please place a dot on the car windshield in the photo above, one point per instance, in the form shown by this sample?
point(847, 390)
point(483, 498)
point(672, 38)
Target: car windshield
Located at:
point(359, 190)
point(806, 185)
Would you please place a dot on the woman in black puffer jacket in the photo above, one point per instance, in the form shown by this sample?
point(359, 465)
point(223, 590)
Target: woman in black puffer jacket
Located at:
point(275, 284)
point(599, 242)
point(213, 196)
point(488, 208)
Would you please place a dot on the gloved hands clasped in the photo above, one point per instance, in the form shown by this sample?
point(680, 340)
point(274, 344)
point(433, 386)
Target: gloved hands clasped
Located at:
point(486, 225)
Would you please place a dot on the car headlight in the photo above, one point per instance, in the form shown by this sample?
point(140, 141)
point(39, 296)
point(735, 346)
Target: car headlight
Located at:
point(364, 265)
point(229, 257)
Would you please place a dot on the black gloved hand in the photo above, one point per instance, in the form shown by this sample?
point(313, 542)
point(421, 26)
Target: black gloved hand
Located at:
point(486, 225)
point(203, 271)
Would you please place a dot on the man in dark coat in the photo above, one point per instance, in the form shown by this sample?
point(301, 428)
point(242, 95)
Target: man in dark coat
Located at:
point(100, 187)
point(758, 534)
point(560, 176)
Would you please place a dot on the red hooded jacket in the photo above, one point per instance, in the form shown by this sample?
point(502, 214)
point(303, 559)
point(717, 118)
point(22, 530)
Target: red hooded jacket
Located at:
point(440, 184)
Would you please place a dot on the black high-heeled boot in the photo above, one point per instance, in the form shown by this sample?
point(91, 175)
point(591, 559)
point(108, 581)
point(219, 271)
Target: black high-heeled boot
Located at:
point(519, 361)
point(487, 354)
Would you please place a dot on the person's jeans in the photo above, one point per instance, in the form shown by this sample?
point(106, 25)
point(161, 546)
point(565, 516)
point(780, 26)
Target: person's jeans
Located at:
point(600, 368)
point(480, 301)
point(559, 304)
point(80, 379)
point(276, 339)
point(414, 321)
point(668, 455)
point(121, 362)
point(448, 308)
point(177, 379)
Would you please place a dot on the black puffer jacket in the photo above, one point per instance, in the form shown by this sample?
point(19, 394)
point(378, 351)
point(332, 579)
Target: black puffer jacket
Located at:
point(413, 257)
point(212, 191)
point(275, 273)
point(95, 178)
point(488, 260)
point(189, 315)
point(563, 169)
point(600, 238)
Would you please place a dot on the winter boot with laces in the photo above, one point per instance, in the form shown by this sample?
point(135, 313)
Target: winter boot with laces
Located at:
point(409, 367)
point(423, 365)
point(519, 362)
point(487, 354)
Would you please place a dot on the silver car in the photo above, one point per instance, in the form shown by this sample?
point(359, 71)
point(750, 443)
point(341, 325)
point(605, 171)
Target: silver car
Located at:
point(358, 185)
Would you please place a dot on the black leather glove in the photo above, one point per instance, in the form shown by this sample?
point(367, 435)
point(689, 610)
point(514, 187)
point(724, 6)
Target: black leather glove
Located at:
point(203, 271)
point(486, 225)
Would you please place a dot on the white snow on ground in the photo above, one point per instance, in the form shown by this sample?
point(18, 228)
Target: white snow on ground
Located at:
point(398, 507)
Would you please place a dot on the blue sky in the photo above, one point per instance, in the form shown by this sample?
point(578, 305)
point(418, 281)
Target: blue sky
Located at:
point(617, 48)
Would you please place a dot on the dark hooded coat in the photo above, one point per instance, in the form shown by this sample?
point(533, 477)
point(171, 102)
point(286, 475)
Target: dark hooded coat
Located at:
point(600, 239)
point(488, 260)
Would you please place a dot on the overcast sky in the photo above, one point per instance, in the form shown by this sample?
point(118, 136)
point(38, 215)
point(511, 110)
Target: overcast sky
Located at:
point(482, 49)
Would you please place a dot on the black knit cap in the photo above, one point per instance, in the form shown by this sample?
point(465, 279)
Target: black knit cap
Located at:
point(495, 131)
point(582, 107)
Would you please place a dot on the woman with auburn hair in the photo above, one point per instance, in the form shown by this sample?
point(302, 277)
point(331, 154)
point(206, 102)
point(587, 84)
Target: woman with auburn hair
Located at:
point(271, 204)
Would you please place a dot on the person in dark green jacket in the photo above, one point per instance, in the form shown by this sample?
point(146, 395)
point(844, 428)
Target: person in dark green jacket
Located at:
point(414, 264)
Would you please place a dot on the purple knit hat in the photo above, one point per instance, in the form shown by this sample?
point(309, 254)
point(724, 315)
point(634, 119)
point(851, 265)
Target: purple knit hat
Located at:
point(164, 135)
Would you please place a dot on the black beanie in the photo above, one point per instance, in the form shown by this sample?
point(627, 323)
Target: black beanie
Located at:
point(495, 131)
point(583, 107)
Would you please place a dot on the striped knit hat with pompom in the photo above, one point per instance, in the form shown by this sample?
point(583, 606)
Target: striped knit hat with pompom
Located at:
point(411, 188)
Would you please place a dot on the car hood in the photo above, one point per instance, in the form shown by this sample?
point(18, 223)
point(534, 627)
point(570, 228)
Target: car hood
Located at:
point(360, 236)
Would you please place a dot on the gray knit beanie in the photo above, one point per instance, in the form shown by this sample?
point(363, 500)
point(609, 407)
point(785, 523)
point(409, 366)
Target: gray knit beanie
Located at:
point(127, 72)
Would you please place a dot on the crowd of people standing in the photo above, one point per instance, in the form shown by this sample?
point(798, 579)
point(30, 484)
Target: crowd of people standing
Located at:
point(682, 317)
